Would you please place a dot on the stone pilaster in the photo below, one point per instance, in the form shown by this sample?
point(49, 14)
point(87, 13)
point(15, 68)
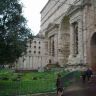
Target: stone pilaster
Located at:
point(59, 48)
point(80, 42)
point(70, 60)
point(55, 48)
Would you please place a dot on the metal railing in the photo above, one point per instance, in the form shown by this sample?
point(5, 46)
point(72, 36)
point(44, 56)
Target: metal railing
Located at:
point(19, 87)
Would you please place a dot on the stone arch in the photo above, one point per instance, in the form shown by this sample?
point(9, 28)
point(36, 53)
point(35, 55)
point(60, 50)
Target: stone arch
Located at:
point(93, 51)
point(64, 39)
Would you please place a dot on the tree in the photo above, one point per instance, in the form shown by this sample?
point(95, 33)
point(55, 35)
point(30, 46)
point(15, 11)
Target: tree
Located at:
point(13, 31)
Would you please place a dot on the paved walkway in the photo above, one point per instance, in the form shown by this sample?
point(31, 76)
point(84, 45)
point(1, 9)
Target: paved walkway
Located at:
point(88, 89)
point(78, 89)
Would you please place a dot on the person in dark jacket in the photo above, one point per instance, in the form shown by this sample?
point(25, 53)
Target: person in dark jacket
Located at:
point(83, 74)
point(59, 85)
point(89, 73)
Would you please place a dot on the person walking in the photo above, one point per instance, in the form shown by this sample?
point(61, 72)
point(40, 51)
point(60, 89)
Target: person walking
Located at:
point(83, 74)
point(89, 73)
point(59, 85)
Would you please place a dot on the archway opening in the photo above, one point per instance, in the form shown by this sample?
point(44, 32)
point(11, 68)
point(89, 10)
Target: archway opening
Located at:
point(93, 52)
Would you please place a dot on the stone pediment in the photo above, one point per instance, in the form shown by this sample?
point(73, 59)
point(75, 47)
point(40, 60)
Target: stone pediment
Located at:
point(87, 2)
point(51, 26)
point(73, 8)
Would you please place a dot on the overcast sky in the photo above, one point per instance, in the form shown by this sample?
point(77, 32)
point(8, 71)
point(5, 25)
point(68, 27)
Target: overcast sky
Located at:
point(31, 11)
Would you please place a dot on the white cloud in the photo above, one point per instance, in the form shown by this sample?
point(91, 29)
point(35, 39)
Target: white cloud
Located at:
point(32, 10)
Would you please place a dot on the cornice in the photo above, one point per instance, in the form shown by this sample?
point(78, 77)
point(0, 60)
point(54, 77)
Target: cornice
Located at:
point(45, 6)
point(58, 7)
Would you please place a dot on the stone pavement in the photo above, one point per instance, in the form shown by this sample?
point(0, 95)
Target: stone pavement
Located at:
point(82, 89)
point(77, 89)
point(88, 89)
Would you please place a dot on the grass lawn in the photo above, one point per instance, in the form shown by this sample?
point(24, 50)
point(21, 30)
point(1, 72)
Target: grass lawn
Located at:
point(29, 83)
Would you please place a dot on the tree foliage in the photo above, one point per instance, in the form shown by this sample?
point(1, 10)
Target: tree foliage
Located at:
point(13, 31)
